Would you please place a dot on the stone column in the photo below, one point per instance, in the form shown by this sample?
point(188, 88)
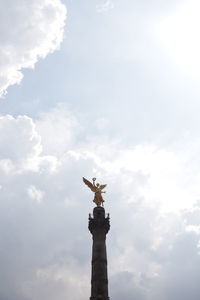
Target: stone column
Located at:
point(99, 225)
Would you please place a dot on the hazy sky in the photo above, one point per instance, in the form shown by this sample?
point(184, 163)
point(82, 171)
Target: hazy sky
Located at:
point(107, 89)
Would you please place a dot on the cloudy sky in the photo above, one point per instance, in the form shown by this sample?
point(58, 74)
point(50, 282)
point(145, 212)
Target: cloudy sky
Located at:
point(107, 89)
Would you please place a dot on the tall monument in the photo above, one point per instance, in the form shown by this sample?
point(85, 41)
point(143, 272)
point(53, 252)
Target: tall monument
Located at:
point(99, 225)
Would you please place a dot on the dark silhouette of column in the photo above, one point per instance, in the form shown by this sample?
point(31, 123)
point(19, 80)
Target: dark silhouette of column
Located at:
point(99, 225)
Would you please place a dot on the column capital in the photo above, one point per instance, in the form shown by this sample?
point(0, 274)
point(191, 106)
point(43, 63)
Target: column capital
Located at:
point(99, 222)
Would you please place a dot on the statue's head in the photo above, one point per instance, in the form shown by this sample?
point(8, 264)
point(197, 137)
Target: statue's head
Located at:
point(97, 184)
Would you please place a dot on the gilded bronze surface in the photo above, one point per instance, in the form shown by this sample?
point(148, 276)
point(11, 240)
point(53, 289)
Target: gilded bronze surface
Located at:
point(97, 189)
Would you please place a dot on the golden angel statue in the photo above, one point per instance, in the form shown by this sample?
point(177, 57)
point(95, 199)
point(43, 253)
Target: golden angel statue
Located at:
point(97, 189)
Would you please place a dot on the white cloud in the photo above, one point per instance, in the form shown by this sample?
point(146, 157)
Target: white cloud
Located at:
point(19, 140)
point(29, 30)
point(104, 6)
point(57, 129)
point(35, 193)
point(45, 248)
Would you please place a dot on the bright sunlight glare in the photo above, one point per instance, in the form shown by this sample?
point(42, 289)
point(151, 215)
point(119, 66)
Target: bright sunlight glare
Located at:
point(179, 33)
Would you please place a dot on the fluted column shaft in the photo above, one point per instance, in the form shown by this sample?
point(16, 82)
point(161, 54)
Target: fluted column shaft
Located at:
point(99, 225)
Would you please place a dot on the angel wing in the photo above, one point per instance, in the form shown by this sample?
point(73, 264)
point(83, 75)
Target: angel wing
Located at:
point(102, 186)
point(89, 184)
